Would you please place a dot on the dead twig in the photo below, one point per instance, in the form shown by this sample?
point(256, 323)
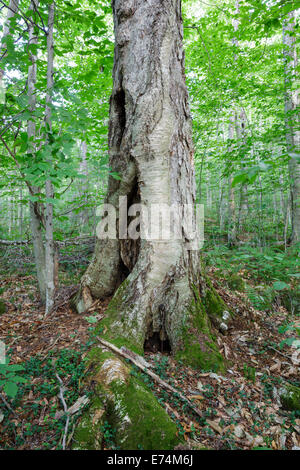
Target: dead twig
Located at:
point(281, 354)
point(8, 405)
point(49, 347)
point(62, 390)
point(141, 364)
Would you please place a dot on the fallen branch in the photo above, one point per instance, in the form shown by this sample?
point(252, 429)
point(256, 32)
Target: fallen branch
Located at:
point(50, 347)
point(14, 242)
point(280, 353)
point(80, 403)
point(62, 399)
point(139, 362)
point(71, 241)
point(8, 405)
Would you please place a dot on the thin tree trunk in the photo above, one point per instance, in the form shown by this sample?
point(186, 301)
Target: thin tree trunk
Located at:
point(11, 12)
point(21, 216)
point(84, 216)
point(222, 206)
point(49, 247)
point(232, 228)
point(282, 203)
point(36, 209)
point(231, 195)
point(292, 121)
point(240, 124)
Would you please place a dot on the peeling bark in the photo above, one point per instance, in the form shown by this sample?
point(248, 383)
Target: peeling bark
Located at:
point(150, 142)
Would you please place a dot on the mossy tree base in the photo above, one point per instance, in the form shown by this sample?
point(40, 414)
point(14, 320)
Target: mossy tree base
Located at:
point(165, 294)
point(290, 397)
point(123, 402)
point(2, 307)
point(194, 341)
point(120, 398)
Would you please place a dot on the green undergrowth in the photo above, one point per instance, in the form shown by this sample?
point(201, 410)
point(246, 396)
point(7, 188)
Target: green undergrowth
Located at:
point(37, 403)
point(270, 275)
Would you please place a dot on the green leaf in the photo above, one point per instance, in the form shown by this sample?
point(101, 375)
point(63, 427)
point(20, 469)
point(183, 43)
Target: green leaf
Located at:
point(279, 285)
point(11, 389)
point(239, 179)
point(15, 367)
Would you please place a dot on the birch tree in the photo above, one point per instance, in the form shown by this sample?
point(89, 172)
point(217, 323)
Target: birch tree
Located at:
point(292, 120)
point(36, 209)
point(156, 284)
point(49, 245)
point(159, 289)
point(12, 9)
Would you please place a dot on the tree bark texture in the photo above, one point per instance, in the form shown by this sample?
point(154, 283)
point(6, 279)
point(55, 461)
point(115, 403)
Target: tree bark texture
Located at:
point(160, 287)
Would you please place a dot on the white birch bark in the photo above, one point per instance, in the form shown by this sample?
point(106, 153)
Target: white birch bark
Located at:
point(150, 142)
point(35, 208)
point(49, 246)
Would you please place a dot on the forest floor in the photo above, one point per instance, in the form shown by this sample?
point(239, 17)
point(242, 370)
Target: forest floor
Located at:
point(240, 409)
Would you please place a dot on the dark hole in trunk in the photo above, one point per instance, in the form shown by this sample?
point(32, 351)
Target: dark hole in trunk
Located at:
point(154, 344)
point(130, 248)
point(124, 272)
point(119, 102)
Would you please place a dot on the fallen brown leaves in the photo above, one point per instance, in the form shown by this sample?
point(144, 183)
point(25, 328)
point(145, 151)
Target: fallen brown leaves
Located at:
point(237, 413)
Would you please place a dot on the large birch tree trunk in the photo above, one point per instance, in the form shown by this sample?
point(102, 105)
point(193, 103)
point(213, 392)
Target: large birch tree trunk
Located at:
point(162, 294)
point(150, 141)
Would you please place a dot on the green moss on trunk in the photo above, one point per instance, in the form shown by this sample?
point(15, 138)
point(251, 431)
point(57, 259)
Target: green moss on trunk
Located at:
point(2, 307)
point(123, 402)
point(107, 332)
point(149, 427)
point(199, 349)
point(290, 397)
